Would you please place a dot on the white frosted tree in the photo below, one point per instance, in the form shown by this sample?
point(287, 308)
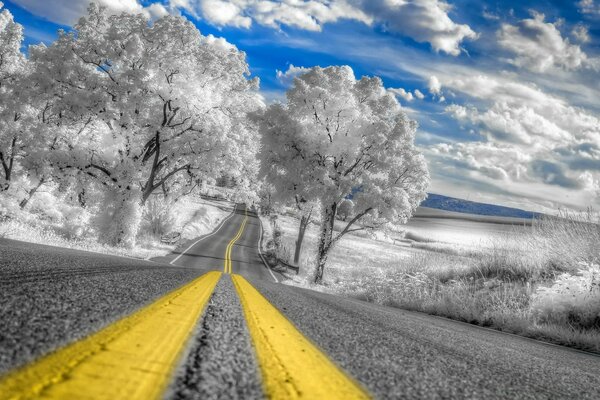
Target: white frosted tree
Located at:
point(12, 71)
point(23, 169)
point(336, 137)
point(152, 108)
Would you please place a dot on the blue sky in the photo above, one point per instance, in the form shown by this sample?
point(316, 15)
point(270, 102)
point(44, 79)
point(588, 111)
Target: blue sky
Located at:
point(505, 92)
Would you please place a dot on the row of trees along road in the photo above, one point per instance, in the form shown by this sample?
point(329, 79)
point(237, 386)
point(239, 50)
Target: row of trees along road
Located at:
point(121, 109)
point(127, 108)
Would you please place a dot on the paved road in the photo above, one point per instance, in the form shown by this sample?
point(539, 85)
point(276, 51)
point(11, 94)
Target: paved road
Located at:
point(50, 297)
point(208, 254)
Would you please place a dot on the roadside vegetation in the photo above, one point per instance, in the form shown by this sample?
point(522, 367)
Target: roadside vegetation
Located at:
point(51, 222)
point(540, 281)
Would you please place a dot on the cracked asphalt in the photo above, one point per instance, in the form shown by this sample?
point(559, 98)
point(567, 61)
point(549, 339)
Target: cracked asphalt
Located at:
point(50, 296)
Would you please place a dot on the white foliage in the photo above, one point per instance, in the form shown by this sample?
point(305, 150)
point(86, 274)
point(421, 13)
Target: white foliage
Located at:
point(338, 136)
point(139, 109)
point(119, 219)
point(573, 299)
point(11, 36)
point(12, 71)
point(157, 216)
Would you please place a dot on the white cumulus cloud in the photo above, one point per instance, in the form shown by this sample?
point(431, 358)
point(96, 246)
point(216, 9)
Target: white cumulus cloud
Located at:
point(434, 85)
point(517, 112)
point(418, 94)
point(225, 13)
point(542, 143)
point(539, 46)
point(590, 7)
point(67, 12)
point(287, 78)
point(400, 92)
point(308, 15)
point(581, 33)
point(425, 21)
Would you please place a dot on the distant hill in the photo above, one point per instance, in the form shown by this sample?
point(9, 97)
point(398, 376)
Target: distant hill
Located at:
point(441, 202)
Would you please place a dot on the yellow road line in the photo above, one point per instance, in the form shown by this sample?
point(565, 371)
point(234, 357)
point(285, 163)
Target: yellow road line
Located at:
point(292, 367)
point(133, 358)
point(227, 266)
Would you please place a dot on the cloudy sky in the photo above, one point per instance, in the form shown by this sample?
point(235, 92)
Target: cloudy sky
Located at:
point(506, 94)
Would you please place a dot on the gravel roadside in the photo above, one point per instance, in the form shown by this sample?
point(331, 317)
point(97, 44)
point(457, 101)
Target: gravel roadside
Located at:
point(221, 363)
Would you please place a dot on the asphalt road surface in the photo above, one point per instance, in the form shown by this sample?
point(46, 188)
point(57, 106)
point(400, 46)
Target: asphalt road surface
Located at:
point(50, 297)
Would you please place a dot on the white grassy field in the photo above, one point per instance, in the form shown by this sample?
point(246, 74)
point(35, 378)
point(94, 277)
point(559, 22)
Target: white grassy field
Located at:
point(420, 238)
point(448, 227)
point(539, 281)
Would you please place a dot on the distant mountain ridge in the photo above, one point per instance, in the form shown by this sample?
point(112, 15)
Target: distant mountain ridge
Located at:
point(441, 202)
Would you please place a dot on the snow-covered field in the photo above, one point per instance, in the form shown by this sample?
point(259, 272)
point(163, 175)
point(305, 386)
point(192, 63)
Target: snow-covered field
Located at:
point(461, 232)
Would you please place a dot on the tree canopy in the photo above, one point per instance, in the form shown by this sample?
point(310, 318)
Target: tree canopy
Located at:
point(145, 107)
point(338, 137)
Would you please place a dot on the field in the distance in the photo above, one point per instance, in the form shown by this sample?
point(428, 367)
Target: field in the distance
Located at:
point(433, 225)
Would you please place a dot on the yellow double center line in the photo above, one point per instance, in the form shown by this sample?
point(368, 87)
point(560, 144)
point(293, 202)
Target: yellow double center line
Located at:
point(134, 358)
point(291, 366)
point(227, 266)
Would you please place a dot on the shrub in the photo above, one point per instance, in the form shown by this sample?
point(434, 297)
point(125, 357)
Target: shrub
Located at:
point(8, 206)
point(46, 206)
point(541, 281)
point(157, 218)
point(118, 221)
point(572, 300)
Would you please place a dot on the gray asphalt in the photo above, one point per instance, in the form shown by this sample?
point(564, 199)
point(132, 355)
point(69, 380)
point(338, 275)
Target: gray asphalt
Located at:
point(51, 296)
point(398, 354)
point(392, 353)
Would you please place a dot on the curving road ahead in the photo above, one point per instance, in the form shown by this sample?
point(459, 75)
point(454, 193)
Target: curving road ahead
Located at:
point(50, 297)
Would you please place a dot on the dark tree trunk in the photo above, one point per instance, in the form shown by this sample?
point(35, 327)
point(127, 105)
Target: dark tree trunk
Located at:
point(158, 165)
point(81, 198)
point(31, 193)
point(325, 241)
point(7, 165)
point(304, 221)
point(153, 146)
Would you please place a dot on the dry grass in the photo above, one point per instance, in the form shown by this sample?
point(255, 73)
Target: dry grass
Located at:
point(498, 284)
